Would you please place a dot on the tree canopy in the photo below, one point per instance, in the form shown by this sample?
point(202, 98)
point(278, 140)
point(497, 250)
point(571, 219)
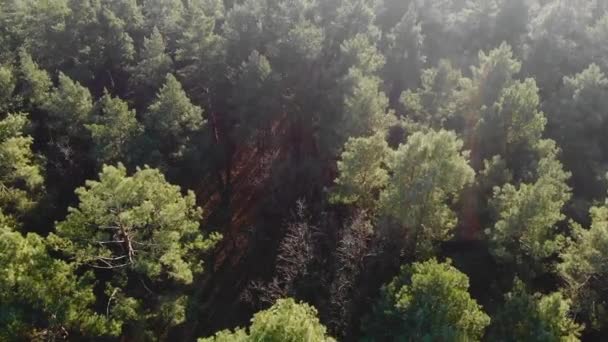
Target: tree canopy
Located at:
point(534, 317)
point(286, 320)
point(170, 169)
point(142, 229)
point(427, 301)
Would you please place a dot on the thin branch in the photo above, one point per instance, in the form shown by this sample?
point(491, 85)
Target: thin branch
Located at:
point(146, 287)
point(109, 242)
point(110, 267)
point(111, 259)
point(110, 301)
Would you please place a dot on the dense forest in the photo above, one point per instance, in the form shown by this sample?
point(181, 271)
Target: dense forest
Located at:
point(303, 170)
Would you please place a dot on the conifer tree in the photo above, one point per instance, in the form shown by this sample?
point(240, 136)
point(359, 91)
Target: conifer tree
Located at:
point(171, 122)
point(534, 317)
point(145, 232)
point(42, 297)
point(427, 301)
point(153, 66)
point(286, 320)
point(114, 131)
point(583, 269)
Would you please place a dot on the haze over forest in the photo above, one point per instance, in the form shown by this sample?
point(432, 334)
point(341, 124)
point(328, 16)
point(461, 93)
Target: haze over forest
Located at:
point(304, 170)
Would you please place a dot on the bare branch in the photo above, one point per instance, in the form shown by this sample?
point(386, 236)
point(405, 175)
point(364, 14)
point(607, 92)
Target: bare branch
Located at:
point(110, 267)
point(110, 301)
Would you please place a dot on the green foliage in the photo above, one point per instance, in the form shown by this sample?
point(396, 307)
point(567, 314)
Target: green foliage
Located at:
point(37, 82)
point(69, 107)
point(21, 177)
point(36, 25)
point(399, 101)
point(139, 222)
point(435, 101)
point(412, 184)
point(527, 317)
point(527, 214)
point(199, 49)
point(153, 66)
point(495, 171)
point(172, 119)
point(114, 130)
point(512, 21)
point(362, 171)
point(285, 321)
point(7, 87)
point(243, 30)
point(496, 113)
point(81, 38)
point(142, 229)
point(115, 46)
point(404, 53)
point(238, 335)
point(426, 173)
point(598, 33)
point(253, 96)
point(577, 123)
point(558, 30)
point(365, 105)
point(584, 269)
point(494, 72)
point(164, 14)
point(427, 301)
point(42, 298)
point(519, 104)
point(585, 94)
point(514, 124)
point(305, 40)
point(478, 19)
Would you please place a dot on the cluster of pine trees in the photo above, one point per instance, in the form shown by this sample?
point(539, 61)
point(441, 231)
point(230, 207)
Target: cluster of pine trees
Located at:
point(303, 170)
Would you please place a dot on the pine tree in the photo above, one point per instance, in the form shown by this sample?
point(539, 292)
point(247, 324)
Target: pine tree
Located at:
point(426, 172)
point(286, 321)
point(534, 317)
point(525, 233)
point(42, 297)
point(427, 301)
point(21, 179)
point(404, 53)
point(69, 106)
point(153, 66)
point(37, 83)
point(362, 171)
point(577, 121)
point(143, 230)
point(434, 103)
point(584, 270)
point(171, 120)
point(114, 131)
